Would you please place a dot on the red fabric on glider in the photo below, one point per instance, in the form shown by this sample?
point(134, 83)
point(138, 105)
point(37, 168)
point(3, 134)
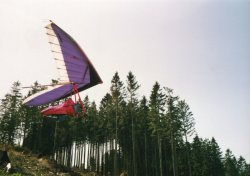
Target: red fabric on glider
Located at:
point(66, 108)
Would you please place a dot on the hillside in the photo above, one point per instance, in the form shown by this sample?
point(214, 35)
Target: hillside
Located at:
point(25, 163)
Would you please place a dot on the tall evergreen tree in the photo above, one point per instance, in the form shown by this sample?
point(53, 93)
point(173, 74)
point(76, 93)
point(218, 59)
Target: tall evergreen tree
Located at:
point(117, 93)
point(187, 127)
point(197, 156)
point(10, 115)
point(215, 158)
point(132, 87)
point(174, 126)
point(156, 106)
point(243, 167)
point(106, 114)
point(230, 164)
point(144, 134)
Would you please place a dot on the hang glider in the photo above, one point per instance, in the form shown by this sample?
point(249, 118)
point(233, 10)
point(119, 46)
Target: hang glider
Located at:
point(76, 72)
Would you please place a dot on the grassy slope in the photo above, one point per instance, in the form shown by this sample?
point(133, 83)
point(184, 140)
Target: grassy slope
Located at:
point(27, 164)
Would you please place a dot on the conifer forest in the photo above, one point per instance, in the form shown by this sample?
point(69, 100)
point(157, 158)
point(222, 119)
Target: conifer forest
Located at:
point(123, 133)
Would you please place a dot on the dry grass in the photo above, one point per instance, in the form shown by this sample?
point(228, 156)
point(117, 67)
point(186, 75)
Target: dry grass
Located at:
point(25, 163)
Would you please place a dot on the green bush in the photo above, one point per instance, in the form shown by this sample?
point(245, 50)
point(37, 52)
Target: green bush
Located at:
point(16, 174)
point(3, 173)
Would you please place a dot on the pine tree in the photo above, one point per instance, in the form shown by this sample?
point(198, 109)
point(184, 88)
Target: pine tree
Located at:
point(106, 114)
point(11, 116)
point(132, 87)
point(197, 158)
point(156, 106)
point(5, 118)
point(230, 164)
point(187, 127)
point(174, 126)
point(143, 120)
point(242, 167)
point(215, 158)
point(117, 93)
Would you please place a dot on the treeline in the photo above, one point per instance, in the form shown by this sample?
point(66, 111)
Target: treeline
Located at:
point(150, 136)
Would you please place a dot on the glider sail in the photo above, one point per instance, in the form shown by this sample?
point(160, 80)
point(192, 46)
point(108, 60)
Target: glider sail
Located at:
point(75, 69)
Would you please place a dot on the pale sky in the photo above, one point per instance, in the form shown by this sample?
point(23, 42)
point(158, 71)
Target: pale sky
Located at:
point(198, 48)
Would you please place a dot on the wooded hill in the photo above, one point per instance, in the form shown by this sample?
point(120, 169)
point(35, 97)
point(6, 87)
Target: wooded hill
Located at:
point(149, 136)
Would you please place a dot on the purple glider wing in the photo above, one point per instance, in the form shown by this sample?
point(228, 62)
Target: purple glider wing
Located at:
point(73, 65)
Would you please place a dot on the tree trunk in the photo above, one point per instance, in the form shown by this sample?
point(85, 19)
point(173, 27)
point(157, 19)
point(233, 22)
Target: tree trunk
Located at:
point(173, 153)
point(145, 154)
point(188, 157)
point(133, 145)
point(160, 152)
point(116, 137)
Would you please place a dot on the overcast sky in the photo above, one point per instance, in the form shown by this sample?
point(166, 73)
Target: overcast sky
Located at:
point(198, 48)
